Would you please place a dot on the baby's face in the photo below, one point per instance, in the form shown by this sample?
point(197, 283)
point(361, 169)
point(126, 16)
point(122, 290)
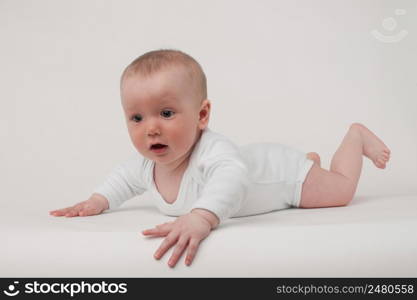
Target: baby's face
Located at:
point(162, 108)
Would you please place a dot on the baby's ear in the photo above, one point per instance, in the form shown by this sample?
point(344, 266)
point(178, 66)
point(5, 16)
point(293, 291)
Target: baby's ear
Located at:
point(204, 114)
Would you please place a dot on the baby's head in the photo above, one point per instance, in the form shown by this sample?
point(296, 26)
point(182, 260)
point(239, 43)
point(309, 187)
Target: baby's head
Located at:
point(164, 98)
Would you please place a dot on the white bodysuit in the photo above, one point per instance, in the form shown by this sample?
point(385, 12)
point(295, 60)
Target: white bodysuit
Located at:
point(228, 180)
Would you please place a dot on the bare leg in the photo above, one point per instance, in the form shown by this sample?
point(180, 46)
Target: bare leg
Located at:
point(358, 141)
point(337, 187)
point(347, 160)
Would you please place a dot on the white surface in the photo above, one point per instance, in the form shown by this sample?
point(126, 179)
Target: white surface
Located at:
point(291, 72)
point(374, 236)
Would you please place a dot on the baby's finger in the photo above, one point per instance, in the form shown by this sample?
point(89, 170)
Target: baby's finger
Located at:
point(155, 232)
point(73, 212)
point(166, 224)
point(168, 242)
point(88, 211)
point(192, 250)
point(56, 213)
point(159, 230)
point(60, 212)
point(151, 231)
point(165, 227)
point(179, 249)
point(83, 213)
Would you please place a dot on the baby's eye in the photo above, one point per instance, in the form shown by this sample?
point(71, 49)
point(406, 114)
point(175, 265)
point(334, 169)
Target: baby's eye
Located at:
point(137, 118)
point(167, 113)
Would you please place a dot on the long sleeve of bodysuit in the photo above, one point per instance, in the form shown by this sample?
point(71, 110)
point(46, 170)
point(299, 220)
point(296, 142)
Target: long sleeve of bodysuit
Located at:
point(225, 177)
point(123, 183)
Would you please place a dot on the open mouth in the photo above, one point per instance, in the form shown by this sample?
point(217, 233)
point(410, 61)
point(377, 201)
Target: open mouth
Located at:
point(158, 146)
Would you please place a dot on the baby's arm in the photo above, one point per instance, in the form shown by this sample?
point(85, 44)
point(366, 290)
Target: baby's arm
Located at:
point(123, 183)
point(95, 205)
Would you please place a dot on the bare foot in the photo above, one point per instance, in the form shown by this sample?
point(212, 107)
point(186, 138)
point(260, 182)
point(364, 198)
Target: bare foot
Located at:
point(314, 156)
point(373, 147)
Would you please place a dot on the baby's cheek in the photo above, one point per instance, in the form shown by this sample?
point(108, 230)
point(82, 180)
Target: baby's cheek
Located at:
point(136, 140)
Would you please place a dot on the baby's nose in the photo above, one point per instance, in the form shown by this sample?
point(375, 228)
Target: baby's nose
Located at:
point(152, 126)
point(153, 130)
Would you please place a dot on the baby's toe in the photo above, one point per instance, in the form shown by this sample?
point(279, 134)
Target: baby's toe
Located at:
point(380, 163)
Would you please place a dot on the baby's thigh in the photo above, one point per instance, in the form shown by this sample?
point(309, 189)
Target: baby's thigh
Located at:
point(323, 188)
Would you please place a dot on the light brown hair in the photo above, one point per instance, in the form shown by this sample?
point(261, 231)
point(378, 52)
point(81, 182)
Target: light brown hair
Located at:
point(157, 60)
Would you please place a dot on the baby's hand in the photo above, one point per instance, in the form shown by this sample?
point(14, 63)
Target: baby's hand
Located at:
point(186, 231)
point(95, 205)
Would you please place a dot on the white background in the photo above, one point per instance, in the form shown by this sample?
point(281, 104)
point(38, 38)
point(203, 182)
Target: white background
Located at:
point(292, 72)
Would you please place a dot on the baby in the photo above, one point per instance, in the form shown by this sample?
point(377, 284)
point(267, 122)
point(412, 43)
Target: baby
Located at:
point(202, 177)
